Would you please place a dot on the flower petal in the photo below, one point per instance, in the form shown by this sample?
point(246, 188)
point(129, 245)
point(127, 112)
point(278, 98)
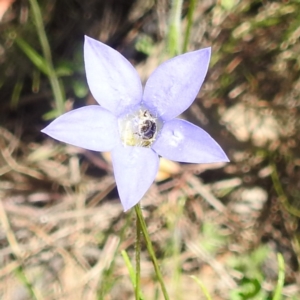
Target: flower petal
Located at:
point(174, 85)
point(183, 141)
point(112, 79)
point(135, 169)
point(91, 127)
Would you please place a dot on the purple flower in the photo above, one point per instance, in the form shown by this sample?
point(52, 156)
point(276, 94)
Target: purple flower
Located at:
point(139, 126)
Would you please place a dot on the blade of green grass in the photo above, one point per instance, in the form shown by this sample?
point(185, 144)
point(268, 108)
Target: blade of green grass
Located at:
point(174, 32)
point(131, 272)
point(33, 56)
point(202, 286)
point(56, 87)
point(108, 279)
point(36, 80)
point(189, 25)
point(16, 93)
point(281, 276)
point(129, 266)
point(17, 254)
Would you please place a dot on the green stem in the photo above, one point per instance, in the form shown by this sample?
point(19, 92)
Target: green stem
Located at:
point(54, 82)
point(151, 250)
point(174, 28)
point(138, 259)
point(189, 25)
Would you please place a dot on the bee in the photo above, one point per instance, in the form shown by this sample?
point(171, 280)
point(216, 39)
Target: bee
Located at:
point(147, 127)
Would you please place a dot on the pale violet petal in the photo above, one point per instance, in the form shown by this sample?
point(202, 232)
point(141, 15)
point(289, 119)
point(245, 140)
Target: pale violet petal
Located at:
point(183, 141)
point(135, 169)
point(112, 79)
point(91, 127)
point(174, 85)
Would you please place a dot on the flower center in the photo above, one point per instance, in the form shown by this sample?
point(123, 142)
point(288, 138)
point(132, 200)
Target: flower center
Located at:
point(139, 128)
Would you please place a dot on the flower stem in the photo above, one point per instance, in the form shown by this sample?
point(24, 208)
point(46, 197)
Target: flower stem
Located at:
point(138, 259)
point(150, 249)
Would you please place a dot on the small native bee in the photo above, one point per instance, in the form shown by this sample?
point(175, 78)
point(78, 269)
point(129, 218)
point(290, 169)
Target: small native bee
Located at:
point(147, 127)
point(139, 128)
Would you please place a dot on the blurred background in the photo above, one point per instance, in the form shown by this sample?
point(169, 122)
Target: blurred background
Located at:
point(216, 228)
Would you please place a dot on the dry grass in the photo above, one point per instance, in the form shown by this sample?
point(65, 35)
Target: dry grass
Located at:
point(62, 226)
